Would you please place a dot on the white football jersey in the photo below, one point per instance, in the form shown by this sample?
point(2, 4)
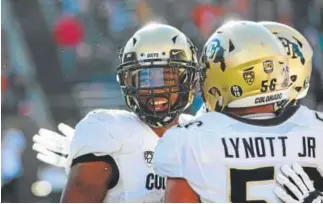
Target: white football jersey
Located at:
point(131, 143)
point(229, 159)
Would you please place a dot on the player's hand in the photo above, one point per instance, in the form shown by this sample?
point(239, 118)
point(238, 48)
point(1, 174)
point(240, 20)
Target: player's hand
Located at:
point(53, 148)
point(294, 186)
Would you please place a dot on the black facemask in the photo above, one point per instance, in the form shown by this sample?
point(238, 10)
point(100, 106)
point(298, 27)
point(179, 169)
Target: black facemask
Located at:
point(157, 90)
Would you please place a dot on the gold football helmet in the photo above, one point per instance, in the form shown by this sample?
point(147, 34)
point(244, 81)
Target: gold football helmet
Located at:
point(300, 56)
point(158, 73)
point(243, 66)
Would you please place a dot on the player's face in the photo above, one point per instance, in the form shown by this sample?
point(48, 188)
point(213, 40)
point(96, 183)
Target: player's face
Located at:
point(158, 87)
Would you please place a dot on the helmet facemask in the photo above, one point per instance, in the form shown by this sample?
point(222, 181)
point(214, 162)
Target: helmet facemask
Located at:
point(157, 90)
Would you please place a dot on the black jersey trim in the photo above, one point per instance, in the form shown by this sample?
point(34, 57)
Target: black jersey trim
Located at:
point(318, 117)
point(281, 118)
point(106, 158)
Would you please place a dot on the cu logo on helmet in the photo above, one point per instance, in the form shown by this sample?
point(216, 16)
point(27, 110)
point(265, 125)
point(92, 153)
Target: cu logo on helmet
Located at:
point(215, 51)
point(293, 49)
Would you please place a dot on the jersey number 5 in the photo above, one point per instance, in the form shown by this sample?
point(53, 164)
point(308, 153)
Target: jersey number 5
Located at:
point(239, 179)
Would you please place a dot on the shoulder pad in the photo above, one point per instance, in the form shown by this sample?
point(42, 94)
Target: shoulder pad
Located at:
point(112, 115)
point(100, 132)
point(222, 120)
point(312, 117)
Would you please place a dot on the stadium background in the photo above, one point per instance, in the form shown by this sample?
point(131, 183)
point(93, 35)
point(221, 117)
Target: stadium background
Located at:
point(45, 82)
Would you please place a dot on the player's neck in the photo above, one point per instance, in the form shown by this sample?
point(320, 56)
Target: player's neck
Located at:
point(252, 110)
point(160, 131)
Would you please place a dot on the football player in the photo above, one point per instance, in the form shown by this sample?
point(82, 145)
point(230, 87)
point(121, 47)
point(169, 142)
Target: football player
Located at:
point(233, 153)
point(300, 56)
point(110, 156)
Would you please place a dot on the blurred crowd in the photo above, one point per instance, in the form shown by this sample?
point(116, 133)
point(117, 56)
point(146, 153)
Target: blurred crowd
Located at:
point(59, 59)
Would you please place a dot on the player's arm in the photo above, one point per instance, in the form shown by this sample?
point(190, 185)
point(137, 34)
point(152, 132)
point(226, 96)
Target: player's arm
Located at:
point(92, 171)
point(179, 191)
point(168, 163)
point(89, 182)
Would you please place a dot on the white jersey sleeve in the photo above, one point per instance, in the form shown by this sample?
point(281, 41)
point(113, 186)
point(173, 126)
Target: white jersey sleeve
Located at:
point(167, 158)
point(167, 161)
point(98, 133)
point(170, 159)
point(131, 143)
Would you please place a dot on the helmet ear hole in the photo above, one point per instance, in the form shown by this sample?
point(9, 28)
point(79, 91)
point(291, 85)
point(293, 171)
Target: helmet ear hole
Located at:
point(298, 89)
point(214, 91)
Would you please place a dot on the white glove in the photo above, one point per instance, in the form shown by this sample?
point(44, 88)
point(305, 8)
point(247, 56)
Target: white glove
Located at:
point(53, 148)
point(294, 186)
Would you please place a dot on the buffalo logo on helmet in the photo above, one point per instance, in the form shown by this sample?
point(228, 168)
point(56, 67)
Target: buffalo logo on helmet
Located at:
point(293, 49)
point(215, 51)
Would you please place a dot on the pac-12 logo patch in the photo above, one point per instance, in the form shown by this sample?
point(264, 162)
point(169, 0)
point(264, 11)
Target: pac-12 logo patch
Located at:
point(148, 156)
point(249, 76)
